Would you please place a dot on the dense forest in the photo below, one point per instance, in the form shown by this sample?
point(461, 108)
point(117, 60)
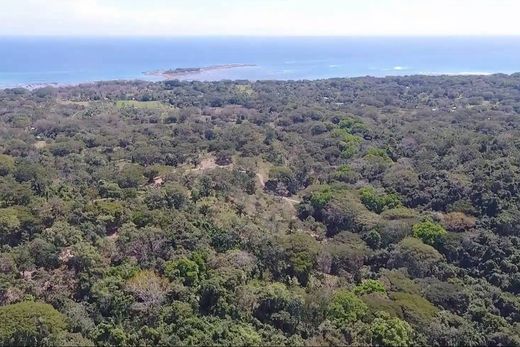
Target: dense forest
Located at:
point(364, 211)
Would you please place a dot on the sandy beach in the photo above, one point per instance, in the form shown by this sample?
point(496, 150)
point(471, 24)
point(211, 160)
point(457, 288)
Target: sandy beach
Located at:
point(191, 71)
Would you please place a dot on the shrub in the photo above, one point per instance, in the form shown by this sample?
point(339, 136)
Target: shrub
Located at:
point(369, 286)
point(399, 213)
point(345, 174)
point(188, 270)
point(429, 232)
point(377, 202)
point(320, 198)
point(388, 331)
point(416, 309)
point(345, 307)
point(417, 257)
point(6, 164)
point(458, 221)
point(131, 176)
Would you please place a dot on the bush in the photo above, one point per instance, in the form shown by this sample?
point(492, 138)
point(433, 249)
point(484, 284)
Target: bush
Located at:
point(458, 222)
point(345, 213)
point(131, 176)
point(377, 202)
point(6, 164)
point(185, 269)
point(345, 307)
point(399, 213)
point(429, 232)
point(418, 258)
point(388, 331)
point(369, 286)
point(9, 222)
point(345, 174)
point(321, 197)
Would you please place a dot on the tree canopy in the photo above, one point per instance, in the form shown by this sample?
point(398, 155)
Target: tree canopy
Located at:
point(363, 211)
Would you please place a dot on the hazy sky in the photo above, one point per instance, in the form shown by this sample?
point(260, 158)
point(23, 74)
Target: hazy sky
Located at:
point(259, 17)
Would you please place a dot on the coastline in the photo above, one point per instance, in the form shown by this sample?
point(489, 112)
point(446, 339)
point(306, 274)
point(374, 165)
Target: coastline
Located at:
point(160, 75)
point(37, 85)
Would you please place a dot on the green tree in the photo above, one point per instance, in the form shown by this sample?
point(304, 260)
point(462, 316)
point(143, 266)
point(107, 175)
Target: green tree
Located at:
point(345, 307)
point(282, 181)
point(429, 232)
point(9, 222)
point(321, 197)
point(346, 174)
point(30, 323)
point(108, 212)
point(37, 175)
point(378, 202)
point(388, 331)
point(110, 190)
point(108, 335)
point(6, 164)
point(110, 297)
point(185, 269)
point(349, 144)
point(369, 286)
point(301, 250)
point(278, 306)
point(131, 176)
point(417, 257)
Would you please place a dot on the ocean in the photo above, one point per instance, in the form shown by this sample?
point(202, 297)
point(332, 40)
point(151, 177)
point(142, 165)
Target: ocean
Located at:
point(25, 61)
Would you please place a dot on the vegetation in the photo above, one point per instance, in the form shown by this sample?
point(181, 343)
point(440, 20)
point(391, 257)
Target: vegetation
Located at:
point(29, 323)
point(345, 307)
point(358, 211)
point(388, 331)
point(429, 232)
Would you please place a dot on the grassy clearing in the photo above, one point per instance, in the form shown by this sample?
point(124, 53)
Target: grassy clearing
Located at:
point(70, 102)
point(148, 105)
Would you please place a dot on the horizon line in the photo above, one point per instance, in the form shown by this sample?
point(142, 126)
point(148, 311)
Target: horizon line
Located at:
point(257, 36)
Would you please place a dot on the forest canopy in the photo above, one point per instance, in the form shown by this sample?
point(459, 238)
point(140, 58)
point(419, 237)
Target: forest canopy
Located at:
point(364, 211)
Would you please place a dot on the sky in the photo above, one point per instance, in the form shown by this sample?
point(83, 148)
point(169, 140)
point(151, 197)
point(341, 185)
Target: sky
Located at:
point(259, 17)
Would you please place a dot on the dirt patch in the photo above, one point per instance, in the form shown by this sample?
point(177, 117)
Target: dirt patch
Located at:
point(40, 144)
point(209, 164)
point(261, 179)
point(70, 102)
point(290, 204)
point(113, 236)
point(66, 255)
point(158, 182)
point(291, 200)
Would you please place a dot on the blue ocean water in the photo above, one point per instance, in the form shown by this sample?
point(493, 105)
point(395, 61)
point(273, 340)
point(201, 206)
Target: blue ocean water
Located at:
point(26, 61)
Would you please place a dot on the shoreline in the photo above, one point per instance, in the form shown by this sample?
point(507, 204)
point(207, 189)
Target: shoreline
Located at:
point(38, 85)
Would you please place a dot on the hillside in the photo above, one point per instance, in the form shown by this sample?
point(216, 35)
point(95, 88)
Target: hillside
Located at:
point(379, 211)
